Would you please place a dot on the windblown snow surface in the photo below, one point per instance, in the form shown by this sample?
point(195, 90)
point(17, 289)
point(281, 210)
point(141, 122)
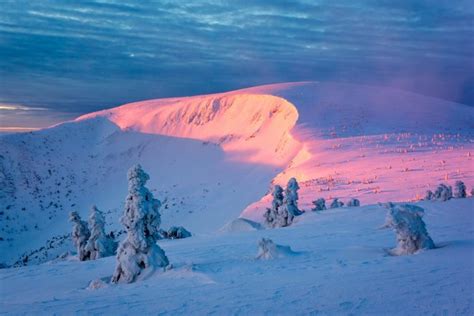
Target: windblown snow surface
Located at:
point(214, 158)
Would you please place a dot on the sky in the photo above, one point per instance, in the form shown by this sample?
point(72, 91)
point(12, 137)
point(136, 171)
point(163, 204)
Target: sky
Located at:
point(60, 59)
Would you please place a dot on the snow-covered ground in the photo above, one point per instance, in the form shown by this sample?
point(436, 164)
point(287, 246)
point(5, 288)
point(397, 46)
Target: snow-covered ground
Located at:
point(340, 267)
point(215, 158)
point(212, 158)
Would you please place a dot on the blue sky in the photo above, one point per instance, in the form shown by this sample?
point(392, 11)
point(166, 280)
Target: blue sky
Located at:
point(59, 59)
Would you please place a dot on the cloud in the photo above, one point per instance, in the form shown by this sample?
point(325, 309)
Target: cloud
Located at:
point(80, 56)
point(18, 107)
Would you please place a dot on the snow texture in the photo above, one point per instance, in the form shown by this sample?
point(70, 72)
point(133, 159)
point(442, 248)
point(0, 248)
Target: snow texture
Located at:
point(319, 205)
point(241, 225)
point(99, 244)
point(139, 251)
point(406, 220)
point(80, 236)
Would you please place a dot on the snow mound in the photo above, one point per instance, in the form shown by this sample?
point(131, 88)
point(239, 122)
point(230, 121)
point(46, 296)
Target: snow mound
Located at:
point(241, 225)
point(267, 250)
point(97, 284)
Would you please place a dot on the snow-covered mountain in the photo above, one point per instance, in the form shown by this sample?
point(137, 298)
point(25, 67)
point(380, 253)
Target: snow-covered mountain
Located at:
point(213, 158)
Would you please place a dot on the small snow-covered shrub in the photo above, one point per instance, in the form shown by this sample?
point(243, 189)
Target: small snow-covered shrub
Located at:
point(99, 244)
point(80, 236)
point(97, 284)
point(443, 192)
point(336, 203)
point(178, 233)
point(460, 190)
point(139, 251)
point(267, 249)
point(429, 195)
point(353, 203)
point(319, 205)
point(407, 222)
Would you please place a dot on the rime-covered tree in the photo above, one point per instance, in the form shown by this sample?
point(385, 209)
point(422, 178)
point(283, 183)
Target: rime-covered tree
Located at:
point(460, 190)
point(407, 222)
point(272, 214)
point(443, 192)
point(139, 251)
point(291, 198)
point(353, 202)
point(80, 235)
point(336, 203)
point(99, 244)
point(319, 205)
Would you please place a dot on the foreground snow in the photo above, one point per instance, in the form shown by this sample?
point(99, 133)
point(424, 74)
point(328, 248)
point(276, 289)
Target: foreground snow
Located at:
point(340, 265)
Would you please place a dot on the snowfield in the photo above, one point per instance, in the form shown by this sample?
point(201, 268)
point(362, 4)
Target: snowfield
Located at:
point(213, 161)
point(341, 267)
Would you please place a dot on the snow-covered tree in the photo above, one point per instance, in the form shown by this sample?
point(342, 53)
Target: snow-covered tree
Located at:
point(99, 244)
point(353, 202)
point(80, 235)
point(291, 198)
point(273, 214)
point(139, 251)
point(429, 195)
point(407, 222)
point(319, 205)
point(284, 208)
point(443, 192)
point(336, 203)
point(459, 190)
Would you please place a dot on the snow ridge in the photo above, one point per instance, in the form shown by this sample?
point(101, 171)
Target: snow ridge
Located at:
point(253, 127)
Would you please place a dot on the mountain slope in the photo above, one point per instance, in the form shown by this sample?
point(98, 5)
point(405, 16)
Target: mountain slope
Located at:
point(212, 157)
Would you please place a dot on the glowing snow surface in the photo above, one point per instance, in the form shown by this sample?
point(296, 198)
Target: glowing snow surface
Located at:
point(357, 141)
